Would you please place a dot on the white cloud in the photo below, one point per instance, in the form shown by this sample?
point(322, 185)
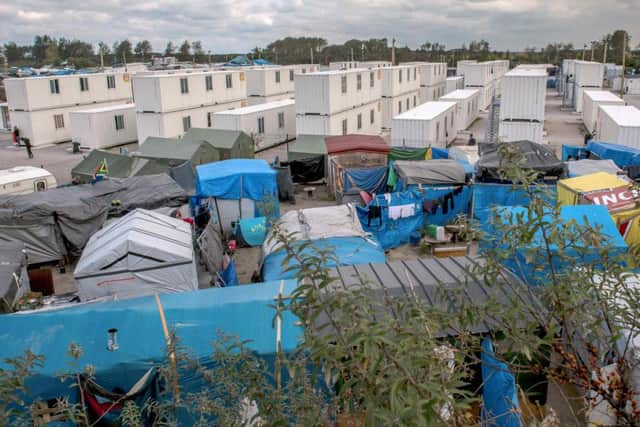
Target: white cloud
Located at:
point(32, 16)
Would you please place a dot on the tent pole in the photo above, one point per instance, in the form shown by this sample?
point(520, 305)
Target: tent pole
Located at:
point(240, 200)
point(215, 199)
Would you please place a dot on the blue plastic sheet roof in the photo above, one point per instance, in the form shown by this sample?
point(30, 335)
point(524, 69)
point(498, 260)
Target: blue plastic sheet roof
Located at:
point(622, 155)
point(236, 178)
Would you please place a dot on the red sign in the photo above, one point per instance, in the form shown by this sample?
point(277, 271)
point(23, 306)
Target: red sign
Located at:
point(615, 199)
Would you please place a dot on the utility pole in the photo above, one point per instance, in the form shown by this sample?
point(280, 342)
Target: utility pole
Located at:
point(393, 51)
point(624, 54)
point(604, 55)
point(101, 59)
point(362, 48)
point(584, 49)
point(311, 50)
point(124, 60)
point(352, 58)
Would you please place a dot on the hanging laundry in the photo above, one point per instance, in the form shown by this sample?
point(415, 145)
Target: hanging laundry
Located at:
point(402, 211)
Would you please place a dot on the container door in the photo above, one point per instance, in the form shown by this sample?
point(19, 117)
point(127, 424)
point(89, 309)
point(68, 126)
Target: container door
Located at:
point(39, 185)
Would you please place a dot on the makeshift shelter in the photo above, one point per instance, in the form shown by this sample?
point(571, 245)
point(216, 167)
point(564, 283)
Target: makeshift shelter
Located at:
point(236, 189)
point(392, 217)
point(619, 196)
point(525, 262)
point(250, 232)
point(173, 152)
point(230, 144)
point(356, 161)
point(113, 165)
point(587, 166)
point(537, 157)
point(408, 153)
point(59, 222)
point(487, 197)
point(334, 227)
point(14, 280)
point(139, 254)
point(245, 312)
point(307, 158)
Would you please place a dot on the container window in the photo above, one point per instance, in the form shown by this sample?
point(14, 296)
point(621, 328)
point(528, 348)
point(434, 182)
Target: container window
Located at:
point(437, 131)
point(343, 82)
point(186, 123)
point(277, 76)
point(291, 75)
point(372, 116)
point(359, 121)
point(359, 81)
point(399, 76)
point(415, 73)
point(54, 86)
point(408, 74)
point(228, 81)
point(111, 82)
point(260, 125)
point(84, 84)
point(208, 82)
point(184, 85)
point(344, 126)
point(415, 100)
point(119, 119)
point(399, 107)
point(209, 119)
point(40, 186)
point(371, 79)
point(408, 105)
point(58, 120)
point(281, 120)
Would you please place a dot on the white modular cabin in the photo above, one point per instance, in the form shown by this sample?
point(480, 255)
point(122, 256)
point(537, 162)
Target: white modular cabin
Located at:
point(257, 100)
point(5, 123)
point(391, 107)
point(478, 73)
point(453, 83)
point(142, 253)
point(104, 127)
point(165, 92)
point(47, 92)
point(330, 92)
point(433, 73)
point(365, 119)
point(177, 123)
point(467, 106)
point(593, 99)
point(486, 94)
point(461, 64)
point(589, 74)
point(520, 130)
point(50, 126)
point(432, 93)
point(25, 180)
point(348, 65)
point(269, 124)
point(619, 125)
point(399, 80)
point(523, 94)
point(274, 80)
point(579, 96)
point(631, 85)
point(430, 124)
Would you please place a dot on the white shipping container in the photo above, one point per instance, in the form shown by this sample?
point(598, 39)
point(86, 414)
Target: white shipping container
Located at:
point(181, 90)
point(619, 125)
point(592, 100)
point(631, 85)
point(51, 126)
point(391, 107)
point(330, 92)
point(478, 73)
point(432, 93)
point(512, 131)
point(486, 94)
point(431, 73)
point(429, 124)
point(104, 127)
point(257, 100)
point(399, 80)
point(460, 66)
point(40, 93)
point(523, 94)
point(175, 124)
point(268, 124)
point(579, 96)
point(365, 119)
point(467, 106)
point(348, 65)
point(453, 83)
point(274, 80)
point(589, 73)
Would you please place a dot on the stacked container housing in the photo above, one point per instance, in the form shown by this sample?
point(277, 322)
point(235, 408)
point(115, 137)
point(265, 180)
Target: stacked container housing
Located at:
point(485, 76)
point(619, 125)
point(168, 104)
point(453, 83)
point(273, 83)
point(339, 102)
point(348, 65)
point(39, 106)
point(588, 76)
point(433, 76)
point(467, 101)
point(400, 91)
point(593, 99)
point(105, 126)
point(428, 125)
point(522, 105)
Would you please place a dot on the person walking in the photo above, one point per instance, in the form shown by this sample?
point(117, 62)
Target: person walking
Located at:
point(27, 145)
point(472, 140)
point(16, 135)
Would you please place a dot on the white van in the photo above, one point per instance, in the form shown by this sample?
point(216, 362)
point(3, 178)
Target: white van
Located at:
point(25, 180)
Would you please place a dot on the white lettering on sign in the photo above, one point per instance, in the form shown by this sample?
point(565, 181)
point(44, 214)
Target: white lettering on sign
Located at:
point(615, 198)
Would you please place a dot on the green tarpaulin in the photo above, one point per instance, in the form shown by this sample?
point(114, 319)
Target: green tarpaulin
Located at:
point(407, 153)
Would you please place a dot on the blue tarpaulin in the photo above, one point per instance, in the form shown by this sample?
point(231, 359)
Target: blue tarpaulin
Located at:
point(347, 250)
point(251, 231)
point(486, 196)
point(229, 275)
point(393, 232)
point(499, 396)
point(371, 180)
point(526, 261)
point(439, 153)
point(243, 311)
point(575, 152)
point(623, 156)
point(460, 204)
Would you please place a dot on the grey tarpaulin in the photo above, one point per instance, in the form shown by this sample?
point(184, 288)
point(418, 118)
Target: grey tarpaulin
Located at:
point(60, 221)
point(285, 183)
point(211, 248)
point(139, 254)
point(588, 166)
point(14, 280)
point(185, 176)
point(429, 172)
point(536, 156)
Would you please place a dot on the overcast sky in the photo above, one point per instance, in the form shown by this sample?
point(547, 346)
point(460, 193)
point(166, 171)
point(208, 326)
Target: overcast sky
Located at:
point(233, 26)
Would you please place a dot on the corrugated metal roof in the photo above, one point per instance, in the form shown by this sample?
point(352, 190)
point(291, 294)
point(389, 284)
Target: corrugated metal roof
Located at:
point(346, 143)
point(446, 283)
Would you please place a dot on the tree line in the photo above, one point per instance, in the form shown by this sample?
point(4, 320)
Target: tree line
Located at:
point(47, 50)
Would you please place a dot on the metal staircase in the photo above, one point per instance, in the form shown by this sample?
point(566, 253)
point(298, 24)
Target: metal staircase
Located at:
point(493, 120)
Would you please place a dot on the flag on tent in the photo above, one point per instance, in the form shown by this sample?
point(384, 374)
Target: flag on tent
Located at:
point(103, 169)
